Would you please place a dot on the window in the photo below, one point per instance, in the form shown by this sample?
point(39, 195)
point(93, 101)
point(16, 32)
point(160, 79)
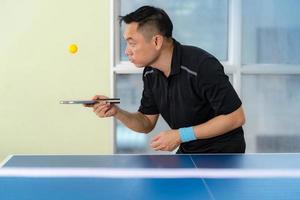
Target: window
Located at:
point(271, 30)
point(270, 78)
point(130, 87)
point(272, 107)
point(195, 22)
point(258, 42)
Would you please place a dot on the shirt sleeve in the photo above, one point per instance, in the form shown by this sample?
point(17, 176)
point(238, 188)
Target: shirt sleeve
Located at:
point(148, 105)
point(215, 87)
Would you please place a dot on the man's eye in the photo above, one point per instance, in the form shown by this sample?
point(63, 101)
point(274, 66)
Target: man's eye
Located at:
point(132, 44)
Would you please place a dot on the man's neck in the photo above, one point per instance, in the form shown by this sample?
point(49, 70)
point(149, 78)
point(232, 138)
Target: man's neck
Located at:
point(163, 63)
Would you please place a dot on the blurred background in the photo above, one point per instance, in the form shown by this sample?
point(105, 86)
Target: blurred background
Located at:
point(257, 41)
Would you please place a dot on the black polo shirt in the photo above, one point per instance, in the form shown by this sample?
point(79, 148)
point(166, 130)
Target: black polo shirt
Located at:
point(196, 91)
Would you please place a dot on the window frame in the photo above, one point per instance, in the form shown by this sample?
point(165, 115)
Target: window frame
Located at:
point(232, 66)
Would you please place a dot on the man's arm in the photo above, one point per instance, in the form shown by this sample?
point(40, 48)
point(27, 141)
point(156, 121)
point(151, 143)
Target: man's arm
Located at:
point(137, 121)
point(220, 125)
point(170, 140)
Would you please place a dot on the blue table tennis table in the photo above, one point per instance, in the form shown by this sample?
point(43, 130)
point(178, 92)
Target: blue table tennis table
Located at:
point(91, 177)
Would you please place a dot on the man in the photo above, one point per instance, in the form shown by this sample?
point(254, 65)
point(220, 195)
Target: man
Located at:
point(185, 84)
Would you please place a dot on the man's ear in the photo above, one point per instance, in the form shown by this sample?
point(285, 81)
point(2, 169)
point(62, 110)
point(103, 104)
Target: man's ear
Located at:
point(158, 41)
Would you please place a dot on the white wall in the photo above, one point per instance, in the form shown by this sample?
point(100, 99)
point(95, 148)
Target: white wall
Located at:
point(37, 71)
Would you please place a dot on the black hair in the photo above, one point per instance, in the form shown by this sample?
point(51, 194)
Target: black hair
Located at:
point(149, 15)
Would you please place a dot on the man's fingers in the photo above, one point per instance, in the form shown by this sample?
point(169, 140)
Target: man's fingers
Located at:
point(95, 98)
point(155, 144)
point(155, 138)
point(101, 110)
point(100, 105)
point(108, 112)
point(160, 148)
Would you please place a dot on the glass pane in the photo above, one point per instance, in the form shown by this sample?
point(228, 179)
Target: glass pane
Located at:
point(272, 108)
point(129, 88)
point(199, 23)
point(271, 31)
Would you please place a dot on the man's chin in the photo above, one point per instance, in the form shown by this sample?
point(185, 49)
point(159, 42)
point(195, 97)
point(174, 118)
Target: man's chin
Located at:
point(138, 65)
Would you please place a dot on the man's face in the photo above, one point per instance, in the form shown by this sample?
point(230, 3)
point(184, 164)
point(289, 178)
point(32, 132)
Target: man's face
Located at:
point(140, 51)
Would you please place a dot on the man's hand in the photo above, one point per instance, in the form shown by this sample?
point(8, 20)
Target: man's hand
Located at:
point(103, 108)
point(166, 141)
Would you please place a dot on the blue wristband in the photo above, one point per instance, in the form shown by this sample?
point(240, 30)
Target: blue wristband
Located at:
point(187, 134)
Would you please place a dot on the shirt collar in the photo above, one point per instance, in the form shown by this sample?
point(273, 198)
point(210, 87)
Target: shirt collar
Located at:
point(176, 58)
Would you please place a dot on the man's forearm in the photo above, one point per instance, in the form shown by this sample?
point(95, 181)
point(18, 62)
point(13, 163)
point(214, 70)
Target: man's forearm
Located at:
point(135, 121)
point(220, 125)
